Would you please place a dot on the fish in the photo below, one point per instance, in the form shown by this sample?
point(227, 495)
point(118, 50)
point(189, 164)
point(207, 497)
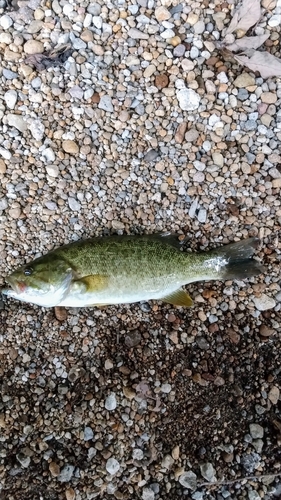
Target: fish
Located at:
point(122, 269)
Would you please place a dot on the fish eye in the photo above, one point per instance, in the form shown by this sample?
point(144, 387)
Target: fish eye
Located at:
point(28, 271)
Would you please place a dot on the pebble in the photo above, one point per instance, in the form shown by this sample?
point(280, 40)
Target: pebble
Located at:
point(88, 434)
point(112, 466)
point(264, 302)
point(10, 98)
point(106, 103)
point(33, 47)
point(188, 480)
point(162, 14)
point(6, 22)
point(110, 402)
point(23, 460)
point(76, 92)
point(208, 472)
point(199, 27)
point(74, 204)
point(137, 34)
point(66, 473)
point(179, 50)
point(179, 135)
point(268, 97)
point(244, 80)
point(166, 34)
point(188, 99)
point(37, 130)
point(148, 494)
point(52, 170)
point(17, 121)
point(274, 395)
point(49, 155)
point(202, 215)
point(70, 147)
point(256, 431)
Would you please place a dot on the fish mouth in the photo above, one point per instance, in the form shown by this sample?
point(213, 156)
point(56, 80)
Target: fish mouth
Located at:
point(17, 286)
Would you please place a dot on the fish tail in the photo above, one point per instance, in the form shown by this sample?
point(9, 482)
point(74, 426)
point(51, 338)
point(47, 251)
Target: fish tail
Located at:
point(235, 261)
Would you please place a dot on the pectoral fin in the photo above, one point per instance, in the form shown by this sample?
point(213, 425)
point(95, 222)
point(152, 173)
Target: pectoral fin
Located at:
point(92, 283)
point(179, 298)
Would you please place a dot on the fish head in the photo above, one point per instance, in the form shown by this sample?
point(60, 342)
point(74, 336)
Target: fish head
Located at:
point(44, 282)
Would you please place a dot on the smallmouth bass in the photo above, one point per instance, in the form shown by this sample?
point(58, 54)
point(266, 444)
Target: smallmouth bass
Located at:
point(125, 269)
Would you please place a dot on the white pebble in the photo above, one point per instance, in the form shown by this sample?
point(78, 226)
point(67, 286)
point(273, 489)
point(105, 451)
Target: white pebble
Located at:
point(49, 154)
point(110, 402)
point(167, 34)
point(37, 130)
point(264, 302)
point(6, 22)
point(112, 466)
point(10, 98)
point(188, 99)
point(87, 21)
point(5, 153)
point(74, 204)
point(202, 215)
point(52, 170)
point(106, 103)
point(97, 22)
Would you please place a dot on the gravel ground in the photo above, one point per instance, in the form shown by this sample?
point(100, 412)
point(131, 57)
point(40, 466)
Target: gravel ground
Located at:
point(139, 125)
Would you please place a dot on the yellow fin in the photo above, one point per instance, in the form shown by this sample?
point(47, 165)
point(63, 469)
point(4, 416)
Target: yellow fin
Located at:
point(179, 298)
point(94, 282)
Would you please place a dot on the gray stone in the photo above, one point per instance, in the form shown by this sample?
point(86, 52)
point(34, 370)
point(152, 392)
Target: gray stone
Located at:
point(208, 472)
point(249, 125)
point(17, 121)
point(151, 155)
point(202, 215)
point(112, 466)
point(10, 98)
point(256, 431)
point(264, 302)
point(188, 99)
point(94, 9)
point(188, 480)
point(148, 494)
point(9, 75)
point(3, 204)
point(242, 94)
point(23, 460)
point(49, 154)
point(76, 92)
point(66, 473)
point(37, 130)
point(74, 204)
point(106, 103)
point(179, 50)
point(137, 34)
point(110, 402)
point(88, 434)
point(199, 27)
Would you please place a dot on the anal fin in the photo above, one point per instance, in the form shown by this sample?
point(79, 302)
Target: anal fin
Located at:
point(179, 298)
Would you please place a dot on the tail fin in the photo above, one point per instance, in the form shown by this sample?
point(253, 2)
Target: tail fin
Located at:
point(235, 261)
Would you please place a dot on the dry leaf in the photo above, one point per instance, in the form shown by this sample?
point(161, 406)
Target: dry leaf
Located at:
point(55, 57)
point(245, 16)
point(247, 43)
point(267, 64)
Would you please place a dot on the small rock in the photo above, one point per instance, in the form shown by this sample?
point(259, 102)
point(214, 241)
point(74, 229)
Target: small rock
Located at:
point(256, 431)
point(175, 41)
point(148, 494)
point(162, 14)
point(188, 480)
point(110, 402)
point(202, 215)
point(264, 302)
point(6, 22)
point(3, 204)
point(274, 395)
point(5, 153)
point(218, 159)
point(17, 121)
point(66, 473)
point(244, 80)
point(137, 34)
point(49, 155)
point(176, 452)
point(112, 466)
point(138, 454)
point(37, 130)
point(76, 92)
point(74, 204)
point(106, 103)
point(166, 388)
point(33, 47)
point(70, 147)
point(133, 338)
point(70, 494)
point(151, 155)
point(54, 469)
point(167, 462)
point(188, 99)
point(269, 97)
point(149, 71)
point(97, 22)
point(192, 18)
point(208, 472)
point(60, 312)
point(23, 460)
point(161, 81)
point(199, 27)
point(88, 434)
point(179, 50)
point(179, 135)
point(191, 135)
point(10, 98)
point(52, 170)
point(265, 331)
point(168, 33)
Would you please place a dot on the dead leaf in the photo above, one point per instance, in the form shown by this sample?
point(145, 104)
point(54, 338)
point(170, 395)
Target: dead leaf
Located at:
point(247, 43)
point(267, 64)
point(246, 16)
point(54, 57)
